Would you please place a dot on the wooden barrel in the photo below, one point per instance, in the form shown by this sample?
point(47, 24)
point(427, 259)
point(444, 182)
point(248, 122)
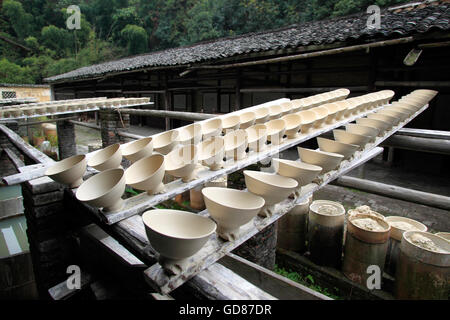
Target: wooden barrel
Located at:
point(422, 273)
point(364, 248)
point(325, 233)
point(292, 228)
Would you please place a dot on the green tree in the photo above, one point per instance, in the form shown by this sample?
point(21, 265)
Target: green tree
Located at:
point(21, 22)
point(136, 38)
point(13, 73)
point(57, 39)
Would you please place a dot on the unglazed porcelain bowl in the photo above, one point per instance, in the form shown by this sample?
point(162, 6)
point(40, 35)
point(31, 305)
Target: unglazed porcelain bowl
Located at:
point(297, 105)
point(106, 158)
point(363, 130)
point(275, 112)
point(351, 138)
point(272, 187)
point(401, 224)
point(293, 124)
point(231, 209)
point(383, 117)
point(212, 128)
point(181, 162)
point(328, 145)
point(236, 143)
point(104, 190)
point(247, 119)
point(308, 118)
point(176, 235)
point(230, 123)
point(138, 149)
point(321, 116)
point(257, 137)
point(69, 171)
point(326, 160)
point(147, 174)
point(286, 108)
point(191, 134)
point(374, 123)
point(262, 115)
point(165, 142)
point(212, 152)
point(302, 172)
point(333, 111)
point(401, 116)
point(275, 131)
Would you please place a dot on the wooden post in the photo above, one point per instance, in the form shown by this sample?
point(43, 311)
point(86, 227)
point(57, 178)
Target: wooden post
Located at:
point(237, 98)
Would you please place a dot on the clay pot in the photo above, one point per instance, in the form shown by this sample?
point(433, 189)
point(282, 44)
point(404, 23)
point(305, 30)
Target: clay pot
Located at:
point(257, 137)
point(212, 128)
point(230, 123)
point(175, 234)
point(275, 112)
point(272, 187)
point(191, 134)
point(345, 149)
point(374, 123)
point(304, 173)
point(107, 158)
point(363, 130)
point(196, 200)
point(231, 209)
point(138, 149)
point(247, 119)
point(262, 115)
point(236, 143)
point(321, 116)
point(351, 138)
point(147, 174)
point(293, 124)
point(275, 131)
point(383, 117)
point(308, 118)
point(212, 152)
point(104, 190)
point(165, 142)
point(181, 162)
point(326, 160)
point(69, 171)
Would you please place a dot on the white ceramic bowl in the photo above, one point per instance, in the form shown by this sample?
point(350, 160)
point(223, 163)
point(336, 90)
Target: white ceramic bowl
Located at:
point(293, 124)
point(247, 119)
point(236, 143)
point(176, 234)
point(107, 158)
point(231, 209)
point(69, 171)
point(138, 149)
point(326, 160)
point(104, 190)
point(272, 187)
point(212, 152)
point(257, 137)
point(212, 128)
point(328, 145)
point(165, 142)
point(304, 173)
point(230, 123)
point(182, 162)
point(275, 131)
point(350, 138)
point(262, 115)
point(191, 134)
point(147, 174)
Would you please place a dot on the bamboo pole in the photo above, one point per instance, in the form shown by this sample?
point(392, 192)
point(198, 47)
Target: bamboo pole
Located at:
point(181, 115)
point(429, 199)
point(307, 55)
point(419, 144)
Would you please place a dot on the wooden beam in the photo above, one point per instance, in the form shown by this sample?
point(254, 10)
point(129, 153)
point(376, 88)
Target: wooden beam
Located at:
point(17, 162)
point(418, 84)
point(432, 145)
point(85, 124)
point(429, 199)
point(301, 90)
point(181, 115)
point(46, 121)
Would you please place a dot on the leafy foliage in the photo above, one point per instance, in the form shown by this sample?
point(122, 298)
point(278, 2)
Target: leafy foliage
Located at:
point(111, 29)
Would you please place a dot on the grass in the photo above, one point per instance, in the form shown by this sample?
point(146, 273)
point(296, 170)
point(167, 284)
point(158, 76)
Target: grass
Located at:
point(307, 281)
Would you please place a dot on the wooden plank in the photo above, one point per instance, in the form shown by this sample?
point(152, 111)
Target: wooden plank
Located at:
point(61, 292)
point(416, 196)
point(272, 283)
point(17, 162)
point(25, 148)
point(72, 112)
point(138, 204)
point(216, 248)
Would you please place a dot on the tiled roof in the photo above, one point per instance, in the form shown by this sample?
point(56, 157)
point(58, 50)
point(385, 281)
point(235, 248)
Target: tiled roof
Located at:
point(396, 22)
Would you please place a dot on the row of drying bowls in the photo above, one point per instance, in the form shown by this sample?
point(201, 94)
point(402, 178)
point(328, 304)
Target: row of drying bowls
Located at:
point(50, 107)
point(229, 208)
